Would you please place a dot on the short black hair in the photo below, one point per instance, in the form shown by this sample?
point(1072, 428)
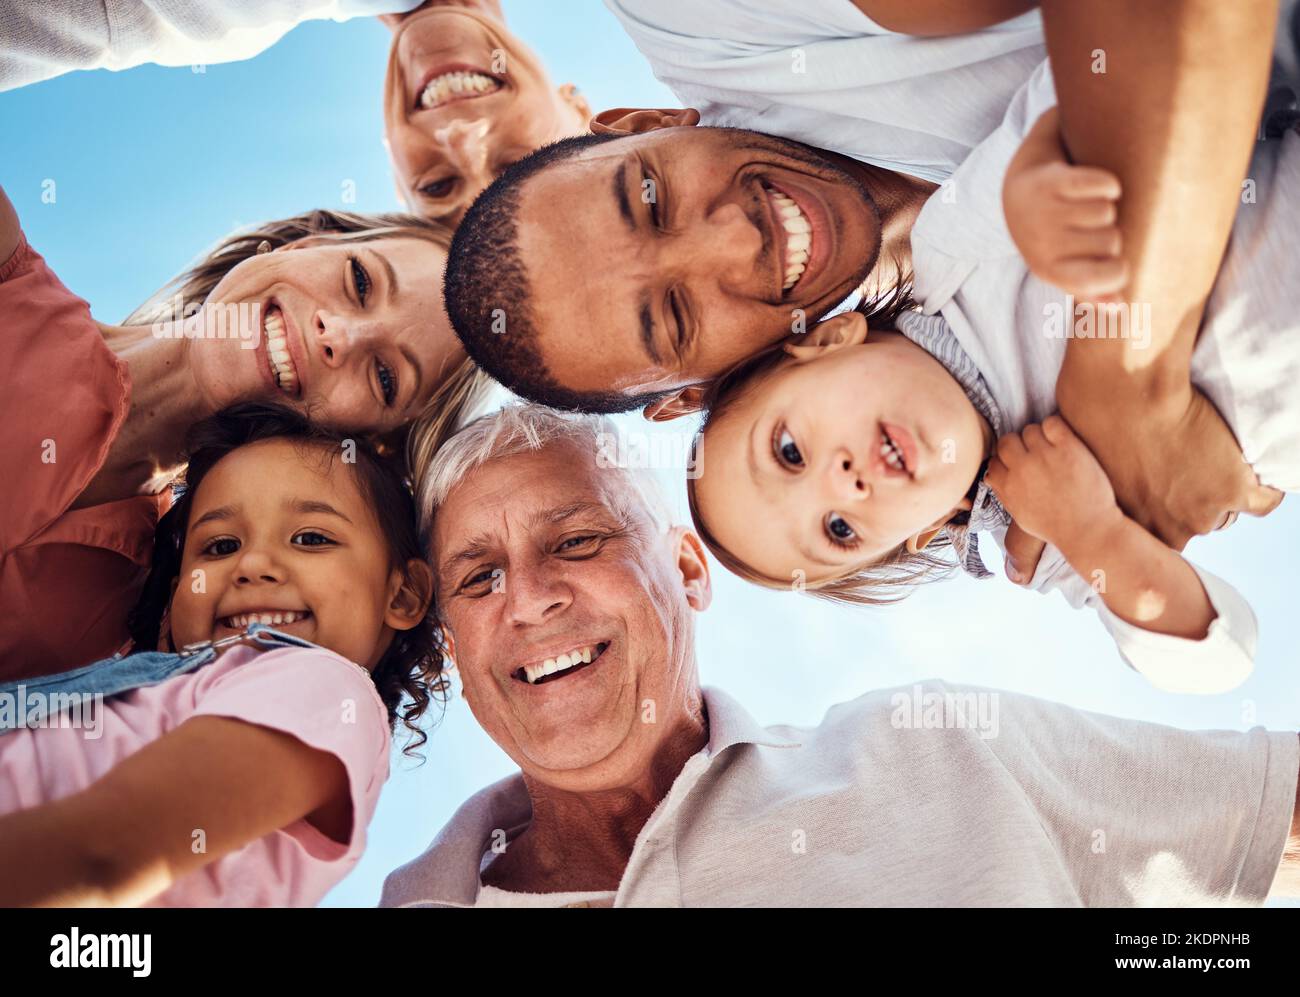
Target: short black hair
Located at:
point(486, 284)
point(414, 665)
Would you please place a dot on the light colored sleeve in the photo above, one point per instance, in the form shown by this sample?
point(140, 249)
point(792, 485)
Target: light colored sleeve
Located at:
point(41, 40)
point(1147, 815)
point(1218, 662)
point(327, 703)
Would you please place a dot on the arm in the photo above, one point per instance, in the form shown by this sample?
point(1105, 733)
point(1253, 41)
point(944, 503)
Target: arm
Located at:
point(130, 835)
point(1055, 489)
point(941, 17)
point(1174, 118)
point(9, 229)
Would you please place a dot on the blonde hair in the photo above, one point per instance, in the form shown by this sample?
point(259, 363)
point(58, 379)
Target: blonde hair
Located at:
point(458, 394)
point(888, 579)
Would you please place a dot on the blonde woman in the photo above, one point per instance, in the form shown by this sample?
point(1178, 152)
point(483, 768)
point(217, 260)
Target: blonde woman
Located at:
point(338, 316)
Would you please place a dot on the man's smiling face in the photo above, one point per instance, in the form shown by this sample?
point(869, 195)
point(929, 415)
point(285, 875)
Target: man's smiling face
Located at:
point(664, 258)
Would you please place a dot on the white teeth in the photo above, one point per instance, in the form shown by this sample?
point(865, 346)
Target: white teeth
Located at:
point(278, 357)
point(578, 656)
point(242, 620)
point(444, 87)
point(798, 237)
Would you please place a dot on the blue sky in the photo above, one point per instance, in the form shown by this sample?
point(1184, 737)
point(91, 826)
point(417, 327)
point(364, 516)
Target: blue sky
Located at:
point(151, 166)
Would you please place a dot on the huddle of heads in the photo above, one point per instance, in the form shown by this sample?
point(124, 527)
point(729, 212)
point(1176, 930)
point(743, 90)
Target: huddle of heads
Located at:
point(522, 551)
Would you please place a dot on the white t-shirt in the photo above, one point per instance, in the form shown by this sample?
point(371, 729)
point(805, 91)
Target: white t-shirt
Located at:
point(1247, 357)
point(823, 73)
point(40, 39)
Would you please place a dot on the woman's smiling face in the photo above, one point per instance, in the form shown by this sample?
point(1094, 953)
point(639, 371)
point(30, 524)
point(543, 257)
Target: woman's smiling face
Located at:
point(353, 334)
point(835, 458)
point(464, 98)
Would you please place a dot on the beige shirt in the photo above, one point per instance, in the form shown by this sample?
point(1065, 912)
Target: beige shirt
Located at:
point(930, 794)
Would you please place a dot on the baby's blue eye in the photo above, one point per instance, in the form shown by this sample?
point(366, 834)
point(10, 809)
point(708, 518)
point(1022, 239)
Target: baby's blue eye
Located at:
point(787, 449)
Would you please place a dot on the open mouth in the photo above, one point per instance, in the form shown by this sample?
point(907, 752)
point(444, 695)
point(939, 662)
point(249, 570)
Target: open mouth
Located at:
point(283, 372)
point(459, 84)
point(797, 230)
point(558, 667)
point(896, 450)
point(266, 617)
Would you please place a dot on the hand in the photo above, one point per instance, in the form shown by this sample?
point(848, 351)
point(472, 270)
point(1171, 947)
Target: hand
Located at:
point(1063, 218)
point(1173, 462)
point(1052, 486)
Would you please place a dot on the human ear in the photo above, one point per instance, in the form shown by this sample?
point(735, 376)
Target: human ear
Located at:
point(636, 120)
point(412, 591)
point(681, 402)
point(569, 95)
point(918, 541)
point(694, 568)
point(836, 333)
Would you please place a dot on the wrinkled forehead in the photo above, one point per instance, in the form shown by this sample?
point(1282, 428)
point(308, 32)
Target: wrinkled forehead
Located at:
point(516, 494)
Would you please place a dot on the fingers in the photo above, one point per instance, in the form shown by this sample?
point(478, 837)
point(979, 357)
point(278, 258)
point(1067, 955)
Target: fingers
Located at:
point(1010, 450)
point(1089, 183)
point(1057, 430)
point(1023, 553)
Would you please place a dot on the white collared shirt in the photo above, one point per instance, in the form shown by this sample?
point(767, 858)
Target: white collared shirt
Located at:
point(929, 795)
point(823, 73)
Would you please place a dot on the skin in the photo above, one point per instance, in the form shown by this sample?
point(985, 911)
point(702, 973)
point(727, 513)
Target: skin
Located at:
point(444, 156)
point(797, 451)
point(235, 780)
point(709, 275)
point(595, 769)
point(339, 340)
point(304, 539)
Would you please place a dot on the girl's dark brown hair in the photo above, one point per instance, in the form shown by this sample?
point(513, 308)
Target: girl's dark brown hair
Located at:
point(412, 672)
point(891, 577)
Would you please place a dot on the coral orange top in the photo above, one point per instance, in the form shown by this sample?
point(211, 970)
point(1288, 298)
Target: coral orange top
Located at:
point(68, 576)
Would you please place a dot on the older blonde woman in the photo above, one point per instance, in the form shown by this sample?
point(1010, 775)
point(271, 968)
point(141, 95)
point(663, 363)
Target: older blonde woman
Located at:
point(336, 315)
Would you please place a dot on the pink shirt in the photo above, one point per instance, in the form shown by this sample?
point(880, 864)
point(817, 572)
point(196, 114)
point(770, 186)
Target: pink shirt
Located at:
point(68, 576)
point(312, 694)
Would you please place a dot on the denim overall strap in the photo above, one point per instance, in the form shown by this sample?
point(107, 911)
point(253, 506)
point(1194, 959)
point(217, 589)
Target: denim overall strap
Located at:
point(124, 673)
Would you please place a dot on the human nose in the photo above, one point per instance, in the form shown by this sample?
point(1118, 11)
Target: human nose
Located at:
point(846, 480)
point(256, 566)
point(464, 145)
point(534, 595)
point(338, 336)
point(726, 245)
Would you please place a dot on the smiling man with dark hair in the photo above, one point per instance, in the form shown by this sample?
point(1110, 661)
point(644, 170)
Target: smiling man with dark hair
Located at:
point(727, 239)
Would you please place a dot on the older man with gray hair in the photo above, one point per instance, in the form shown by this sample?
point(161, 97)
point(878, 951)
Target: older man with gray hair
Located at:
point(569, 603)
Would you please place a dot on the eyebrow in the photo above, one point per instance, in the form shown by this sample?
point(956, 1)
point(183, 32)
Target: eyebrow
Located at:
point(393, 288)
point(213, 515)
point(481, 543)
point(648, 330)
point(620, 195)
point(315, 505)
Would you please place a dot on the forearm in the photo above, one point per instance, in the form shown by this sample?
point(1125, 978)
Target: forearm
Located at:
point(1141, 581)
point(49, 857)
point(1174, 115)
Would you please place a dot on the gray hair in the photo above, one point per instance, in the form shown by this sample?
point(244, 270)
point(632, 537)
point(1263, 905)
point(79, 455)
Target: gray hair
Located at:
point(519, 428)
